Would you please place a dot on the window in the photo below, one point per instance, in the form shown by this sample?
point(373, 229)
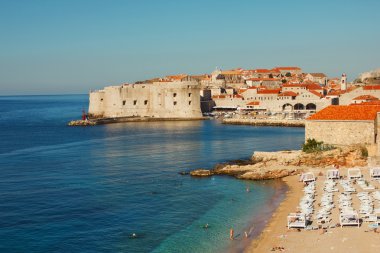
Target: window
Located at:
point(123, 102)
point(174, 95)
point(134, 102)
point(175, 103)
point(189, 94)
point(145, 102)
point(189, 102)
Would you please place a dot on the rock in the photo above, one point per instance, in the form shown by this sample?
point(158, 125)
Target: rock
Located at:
point(200, 173)
point(81, 123)
point(272, 165)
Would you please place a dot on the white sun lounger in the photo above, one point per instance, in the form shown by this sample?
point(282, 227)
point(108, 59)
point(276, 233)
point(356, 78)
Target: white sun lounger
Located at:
point(333, 174)
point(374, 173)
point(354, 173)
point(307, 177)
point(349, 219)
point(296, 220)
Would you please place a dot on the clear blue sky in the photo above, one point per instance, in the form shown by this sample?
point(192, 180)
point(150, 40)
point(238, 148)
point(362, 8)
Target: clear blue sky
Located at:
point(72, 46)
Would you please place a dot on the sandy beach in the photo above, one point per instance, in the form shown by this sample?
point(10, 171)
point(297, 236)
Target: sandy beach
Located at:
point(346, 239)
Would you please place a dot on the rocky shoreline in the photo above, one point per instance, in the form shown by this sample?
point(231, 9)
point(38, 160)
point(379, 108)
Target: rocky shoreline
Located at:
point(102, 121)
point(273, 165)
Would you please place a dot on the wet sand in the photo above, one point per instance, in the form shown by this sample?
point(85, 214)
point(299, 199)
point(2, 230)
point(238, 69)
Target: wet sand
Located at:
point(346, 239)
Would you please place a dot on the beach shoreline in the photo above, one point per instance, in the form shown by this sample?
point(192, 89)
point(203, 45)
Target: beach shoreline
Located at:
point(276, 237)
point(264, 240)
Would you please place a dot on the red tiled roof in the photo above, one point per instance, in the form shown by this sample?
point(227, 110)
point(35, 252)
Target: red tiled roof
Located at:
point(313, 86)
point(262, 71)
point(334, 93)
point(374, 102)
point(263, 79)
point(316, 93)
point(366, 97)
point(347, 112)
point(275, 71)
point(371, 87)
point(265, 91)
point(288, 94)
point(287, 68)
point(254, 103)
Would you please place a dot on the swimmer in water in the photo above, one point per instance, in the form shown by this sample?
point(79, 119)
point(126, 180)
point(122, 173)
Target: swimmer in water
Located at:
point(231, 234)
point(206, 226)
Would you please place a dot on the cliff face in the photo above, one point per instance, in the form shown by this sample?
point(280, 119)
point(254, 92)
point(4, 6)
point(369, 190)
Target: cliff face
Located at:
point(349, 156)
point(272, 165)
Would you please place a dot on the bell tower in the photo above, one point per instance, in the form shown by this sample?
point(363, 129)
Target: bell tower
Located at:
point(343, 82)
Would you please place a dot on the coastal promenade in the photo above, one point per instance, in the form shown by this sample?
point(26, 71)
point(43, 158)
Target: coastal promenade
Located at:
point(265, 122)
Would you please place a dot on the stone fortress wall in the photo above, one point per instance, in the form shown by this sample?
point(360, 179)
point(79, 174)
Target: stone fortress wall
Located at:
point(349, 132)
point(157, 100)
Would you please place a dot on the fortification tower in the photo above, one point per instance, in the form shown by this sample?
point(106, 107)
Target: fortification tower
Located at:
point(343, 82)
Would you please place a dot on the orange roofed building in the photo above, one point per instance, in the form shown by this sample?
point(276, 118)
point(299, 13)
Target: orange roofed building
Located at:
point(345, 125)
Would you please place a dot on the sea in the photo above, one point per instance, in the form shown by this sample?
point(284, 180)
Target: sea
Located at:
point(89, 189)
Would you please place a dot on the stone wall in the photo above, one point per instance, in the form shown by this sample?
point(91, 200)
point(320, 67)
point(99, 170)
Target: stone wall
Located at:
point(159, 100)
point(341, 132)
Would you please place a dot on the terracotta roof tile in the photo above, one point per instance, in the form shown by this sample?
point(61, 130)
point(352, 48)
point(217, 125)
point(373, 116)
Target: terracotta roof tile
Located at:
point(374, 102)
point(288, 94)
point(254, 103)
point(347, 112)
point(267, 91)
point(366, 97)
point(287, 68)
point(371, 87)
point(316, 93)
point(334, 93)
point(313, 86)
point(263, 79)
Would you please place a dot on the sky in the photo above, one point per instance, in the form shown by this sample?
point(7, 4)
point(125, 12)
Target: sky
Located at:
point(73, 46)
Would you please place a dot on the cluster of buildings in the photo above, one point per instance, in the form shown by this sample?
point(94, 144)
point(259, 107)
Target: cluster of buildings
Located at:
point(281, 92)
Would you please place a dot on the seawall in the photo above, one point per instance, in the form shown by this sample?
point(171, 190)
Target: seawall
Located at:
point(265, 122)
point(101, 121)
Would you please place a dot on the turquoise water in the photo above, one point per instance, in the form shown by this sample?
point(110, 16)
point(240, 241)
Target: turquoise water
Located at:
point(88, 189)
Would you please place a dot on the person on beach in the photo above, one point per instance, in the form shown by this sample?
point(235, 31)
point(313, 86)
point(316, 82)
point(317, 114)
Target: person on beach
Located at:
point(231, 233)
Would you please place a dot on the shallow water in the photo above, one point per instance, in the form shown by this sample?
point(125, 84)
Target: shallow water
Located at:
point(88, 189)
